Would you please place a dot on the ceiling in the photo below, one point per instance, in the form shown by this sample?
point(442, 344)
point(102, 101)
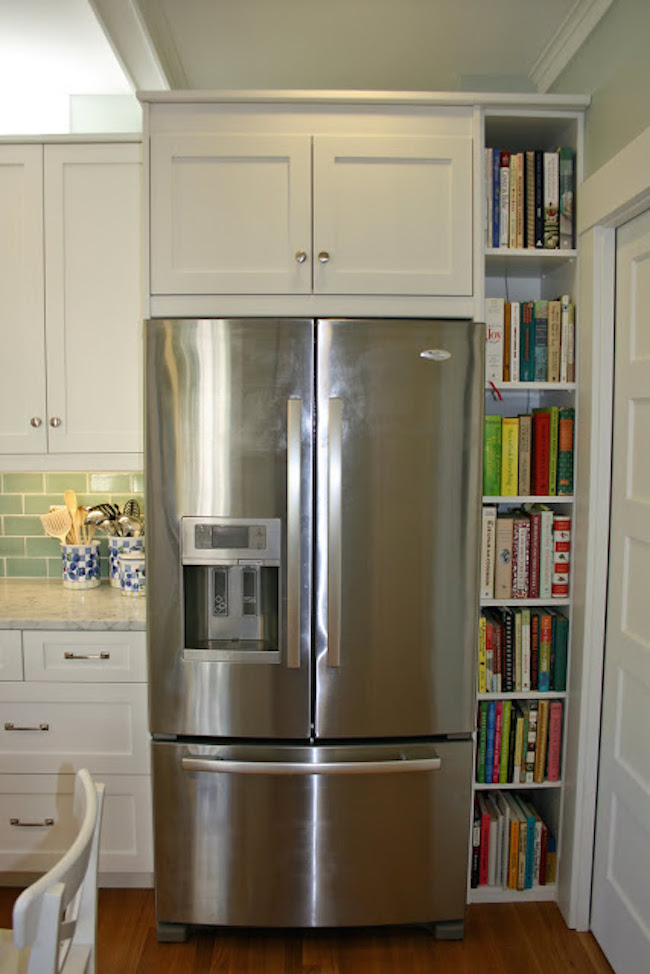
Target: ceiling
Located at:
point(60, 48)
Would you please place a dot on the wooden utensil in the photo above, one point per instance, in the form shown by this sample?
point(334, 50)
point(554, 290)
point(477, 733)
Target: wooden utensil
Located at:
point(57, 523)
point(70, 499)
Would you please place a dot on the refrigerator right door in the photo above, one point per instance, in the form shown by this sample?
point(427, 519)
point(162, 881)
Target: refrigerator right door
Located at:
point(400, 413)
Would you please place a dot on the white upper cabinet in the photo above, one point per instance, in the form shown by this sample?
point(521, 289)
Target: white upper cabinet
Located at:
point(253, 214)
point(70, 302)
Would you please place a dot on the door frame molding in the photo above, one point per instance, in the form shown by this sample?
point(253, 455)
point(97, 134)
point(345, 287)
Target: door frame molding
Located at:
point(616, 193)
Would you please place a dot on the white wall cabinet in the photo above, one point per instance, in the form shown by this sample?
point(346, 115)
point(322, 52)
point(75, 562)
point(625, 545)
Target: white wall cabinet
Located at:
point(301, 214)
point(82, 703)
point(70, 311)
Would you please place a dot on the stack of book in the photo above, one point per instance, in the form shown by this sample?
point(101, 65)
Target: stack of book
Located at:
point(519, 741)
point(525, 553)
point(522, 650)
point(529, 198)
point(529, 341)
point(512, 847)
point(529, 454)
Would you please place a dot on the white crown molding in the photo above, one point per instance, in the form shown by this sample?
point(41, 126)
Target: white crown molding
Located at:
point(569, 37)
point(126, 32)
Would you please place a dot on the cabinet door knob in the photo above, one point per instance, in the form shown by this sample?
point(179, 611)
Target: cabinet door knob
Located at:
point(301, 256)
point(55, 421)
point(36, 421)
point(323, 257)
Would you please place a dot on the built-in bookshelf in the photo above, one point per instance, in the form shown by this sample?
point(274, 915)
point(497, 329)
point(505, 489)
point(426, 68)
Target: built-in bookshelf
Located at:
point(531, 313)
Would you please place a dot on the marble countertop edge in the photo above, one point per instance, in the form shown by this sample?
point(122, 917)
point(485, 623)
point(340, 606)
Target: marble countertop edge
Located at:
point(45, 604)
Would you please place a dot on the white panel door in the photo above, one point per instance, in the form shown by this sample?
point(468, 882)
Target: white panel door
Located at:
point(230, 214)
point(393, 215)
point(621, 878)
point(93, 297)
point(22, 362)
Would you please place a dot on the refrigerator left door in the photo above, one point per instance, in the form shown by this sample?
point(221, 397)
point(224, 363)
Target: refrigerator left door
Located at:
point(229, 412)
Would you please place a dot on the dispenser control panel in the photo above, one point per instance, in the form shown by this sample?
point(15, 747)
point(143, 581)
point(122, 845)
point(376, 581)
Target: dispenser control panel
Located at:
point(213, 540)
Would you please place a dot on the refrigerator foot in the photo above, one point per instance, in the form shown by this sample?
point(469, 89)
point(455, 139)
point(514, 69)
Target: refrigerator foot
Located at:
point(171, 933)
point(448, 929)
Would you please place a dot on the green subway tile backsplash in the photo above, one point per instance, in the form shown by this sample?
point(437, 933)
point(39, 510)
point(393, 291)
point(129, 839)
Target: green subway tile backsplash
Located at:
point(25, 550)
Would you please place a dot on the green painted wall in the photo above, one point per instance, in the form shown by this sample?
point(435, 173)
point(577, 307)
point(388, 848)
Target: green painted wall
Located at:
point(613, 66)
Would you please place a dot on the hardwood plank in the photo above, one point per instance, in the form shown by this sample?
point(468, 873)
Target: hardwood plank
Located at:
point(502, 938)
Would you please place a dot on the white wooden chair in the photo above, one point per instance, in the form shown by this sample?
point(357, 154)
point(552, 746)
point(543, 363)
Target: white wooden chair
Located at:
point(55, 919)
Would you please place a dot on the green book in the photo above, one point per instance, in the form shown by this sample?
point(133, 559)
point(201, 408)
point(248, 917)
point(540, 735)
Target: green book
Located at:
point(506, 716)
point(561, 637)
point(566, 423)
point(482, 741)
point(492, 456)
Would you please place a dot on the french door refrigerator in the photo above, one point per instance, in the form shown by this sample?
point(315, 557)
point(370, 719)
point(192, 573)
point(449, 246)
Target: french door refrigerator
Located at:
point(313, 507)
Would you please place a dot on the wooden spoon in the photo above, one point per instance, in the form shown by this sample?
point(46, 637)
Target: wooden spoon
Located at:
point(70, 499)
point(57, 523)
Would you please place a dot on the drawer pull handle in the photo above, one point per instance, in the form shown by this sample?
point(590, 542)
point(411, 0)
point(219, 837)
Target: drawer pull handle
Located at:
point(31, 825)
point(102, 655)
point(12, 727)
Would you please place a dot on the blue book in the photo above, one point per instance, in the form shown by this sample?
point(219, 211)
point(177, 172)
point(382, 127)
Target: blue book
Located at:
point(496, 195)
point(527, 343)
point(489, 743)
point(530, 841)
point(540, 320)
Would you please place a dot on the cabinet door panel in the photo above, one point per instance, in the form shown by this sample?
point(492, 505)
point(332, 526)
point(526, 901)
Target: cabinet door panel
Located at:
point(85, 657)
point(229, 213)
point(11, 655)
point(22, 363)
point(93, 306)
point(393, 214)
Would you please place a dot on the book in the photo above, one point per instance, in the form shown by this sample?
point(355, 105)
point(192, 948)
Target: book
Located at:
point(566, 336)
point(515, 340)
point(489, 196)
point(506, 717)
point(546, 548)
point(541, 839)
point(508, 636)
point(476, 843)
point(525, 650)
point(529, 851)
point(489, 740)
point(506, 341)
point(492, 455)
point(520, 202)
point(535, 541)
point(481, 671)
point(504, 200)
point(482, 741)
point(539, 774)
point(515, 820)
point(503, 560)
point(484, 852)
point(488, 551)
point(551, 200)
point(511, 745)
point(495, 630)
point(534, 648)
point(527, 343)
point(496, 198)
point(525, 452)
point(514, 202)
point(560, 656)
point(566, 166)
point(494, 321)
point(517, 614)
point(545, 640)
point(540, 317)
point(532, 714)
point(561, 556)
point(519, 720)
point(541, 452)
point(509, 456)
point(566, 423)
point(520, 554)
point(494, 841)
point(551, 859)
point(498, 728)
point(539, 198)
point(554, 740)
point(530, 198)
point(490, 643)
point(553, 435)
point(505, 812)
point(554, 340)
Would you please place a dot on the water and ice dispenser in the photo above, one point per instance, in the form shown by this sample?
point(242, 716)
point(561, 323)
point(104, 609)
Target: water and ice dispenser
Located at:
point(231, 584)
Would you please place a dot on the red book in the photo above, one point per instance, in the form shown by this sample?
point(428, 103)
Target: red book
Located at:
point(541, 453)
point(498, 723)
point(520, 555)
point(554, 741)
point(485, 841)
point(543, 855)
point(561, 556)
point(535, 536)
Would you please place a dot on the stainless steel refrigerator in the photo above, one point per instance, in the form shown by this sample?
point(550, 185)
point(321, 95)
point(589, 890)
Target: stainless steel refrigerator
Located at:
point(313, 508)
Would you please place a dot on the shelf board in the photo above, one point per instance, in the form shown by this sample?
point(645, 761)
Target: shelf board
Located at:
point(523, 695)
point(531, 386)
point(488, 603)
point(530, 262)
point(496, 894)
point(528, 499)
point(514, 786)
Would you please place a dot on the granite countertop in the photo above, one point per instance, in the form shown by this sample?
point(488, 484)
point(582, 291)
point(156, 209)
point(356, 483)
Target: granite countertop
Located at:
point(46, 604)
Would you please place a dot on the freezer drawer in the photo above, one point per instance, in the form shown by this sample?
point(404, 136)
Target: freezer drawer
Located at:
point(311, 836)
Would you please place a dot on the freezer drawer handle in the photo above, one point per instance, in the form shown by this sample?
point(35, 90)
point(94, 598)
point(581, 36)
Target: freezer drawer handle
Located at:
point(103, 655)
point(217, 766)
point(31, 825)
point(294, 473)
point(9, 726)
point(335, 447)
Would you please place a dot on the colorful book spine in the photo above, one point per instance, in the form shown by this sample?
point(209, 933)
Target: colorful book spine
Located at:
point(476, 844)
point(553, 434)
point(506, 341)
point(509, 456)
point(525, 453)
point(535, 541)
point(551, 200)
point(482, 741)
point(566, 337)
point(488, 551)
point(530, 842)
point(504, 200)
point(527, 343)
point(490, 686)
point(492, 456)
point(508, 676)
point(545, 641)
point(541, 452)
point(566, 423)
point(525, 650)
point(560, 657)
point(494, 319)
point(531, 746)
point(514, 200)
point(539, 775)
point(489, 741)
point(554, 741)
point(566, 196)
point(515, 340)
point(496, 196)
point(520, 555)
point(503, 562)
point(539, 198)
point(506, 719)
point(482, 654)
point(485, 841)
point(534, 648)
point(519, 742)
point(498, 740)
point(540, 316)
point(561, 556)
point(530, 199)
point(554, 340)
point(489, 196)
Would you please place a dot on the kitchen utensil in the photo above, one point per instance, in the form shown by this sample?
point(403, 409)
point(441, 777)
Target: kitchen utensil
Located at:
point(132, 508)
point(107, 525)
point(57, 523)
point(130, 526)
point(70, 499)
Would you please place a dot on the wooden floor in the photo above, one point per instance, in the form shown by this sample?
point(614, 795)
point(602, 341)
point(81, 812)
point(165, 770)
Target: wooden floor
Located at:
point(529, 938)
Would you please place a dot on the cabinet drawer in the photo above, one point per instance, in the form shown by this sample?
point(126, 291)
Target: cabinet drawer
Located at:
point(36, 824)
point(11, 656)
point(48, 728)
point(85, 657)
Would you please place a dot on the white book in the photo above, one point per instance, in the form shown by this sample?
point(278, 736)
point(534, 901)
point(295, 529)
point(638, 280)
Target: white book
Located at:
point(504, 205)
point(488, 551)
point(515, 340)
point(494, 857)
point(494, 327)
point(546, 554)
point(506, 816)
point(525, 650)
point(551, 200)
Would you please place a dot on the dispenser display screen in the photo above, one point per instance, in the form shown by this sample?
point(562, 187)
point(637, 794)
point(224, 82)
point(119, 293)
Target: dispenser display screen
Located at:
point(229, 536)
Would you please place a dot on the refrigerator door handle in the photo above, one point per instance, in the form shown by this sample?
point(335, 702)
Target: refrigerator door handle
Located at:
point(294, 474)
point(219, 766)
point(334, 498)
